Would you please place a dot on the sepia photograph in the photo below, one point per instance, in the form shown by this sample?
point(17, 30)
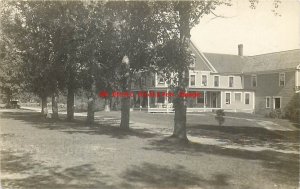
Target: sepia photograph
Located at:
point(150, 94)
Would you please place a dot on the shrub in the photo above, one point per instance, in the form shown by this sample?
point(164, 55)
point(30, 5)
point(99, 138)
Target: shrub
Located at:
point(220, 116)
point(277, 113)
point(292, 110)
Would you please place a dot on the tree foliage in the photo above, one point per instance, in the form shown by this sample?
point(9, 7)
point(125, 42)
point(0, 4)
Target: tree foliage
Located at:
point(66, 45)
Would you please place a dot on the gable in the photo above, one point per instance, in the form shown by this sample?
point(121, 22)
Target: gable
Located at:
point(201, 63)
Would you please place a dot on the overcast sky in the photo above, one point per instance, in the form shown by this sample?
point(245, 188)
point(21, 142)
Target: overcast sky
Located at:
point(259, 30)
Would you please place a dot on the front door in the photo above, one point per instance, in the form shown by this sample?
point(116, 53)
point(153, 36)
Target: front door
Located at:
point(277, 103)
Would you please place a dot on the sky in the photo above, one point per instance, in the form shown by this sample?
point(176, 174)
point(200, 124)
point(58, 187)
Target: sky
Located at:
point(259, 30)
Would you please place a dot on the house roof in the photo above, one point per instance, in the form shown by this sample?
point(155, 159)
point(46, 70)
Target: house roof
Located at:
point(272, 61)
point(226, 63)
point(234, 64)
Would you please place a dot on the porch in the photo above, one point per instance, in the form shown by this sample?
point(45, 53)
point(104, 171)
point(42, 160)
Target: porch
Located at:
point(161, 101)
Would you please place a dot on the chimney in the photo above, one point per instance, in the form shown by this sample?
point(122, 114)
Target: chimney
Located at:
point(240, 47)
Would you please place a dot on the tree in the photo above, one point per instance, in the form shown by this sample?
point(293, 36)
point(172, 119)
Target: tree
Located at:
point(54, 40)
point(173, 55)
point(134, 32)
point(31, 40)
point(9, 80)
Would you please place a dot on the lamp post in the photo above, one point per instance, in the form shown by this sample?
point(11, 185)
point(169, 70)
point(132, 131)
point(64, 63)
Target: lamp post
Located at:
point(125, 60)
point(126, 88)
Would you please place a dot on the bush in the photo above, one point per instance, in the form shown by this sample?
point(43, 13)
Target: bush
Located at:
point(277, 113)
point(292, 110)
point(220, 116)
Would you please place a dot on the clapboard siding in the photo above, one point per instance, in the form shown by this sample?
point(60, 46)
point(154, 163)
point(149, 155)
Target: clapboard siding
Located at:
point(268, 85)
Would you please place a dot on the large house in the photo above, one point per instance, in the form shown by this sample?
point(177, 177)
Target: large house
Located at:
point(231, 82)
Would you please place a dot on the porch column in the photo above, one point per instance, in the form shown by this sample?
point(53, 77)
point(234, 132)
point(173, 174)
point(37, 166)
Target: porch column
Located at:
point(253, 103)
point(204, 100)
point(167, 100)
point(148, 101)
point(210, 100)
point(221, 101)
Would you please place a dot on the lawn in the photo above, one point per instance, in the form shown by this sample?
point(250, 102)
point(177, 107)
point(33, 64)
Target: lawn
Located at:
point(39, 153)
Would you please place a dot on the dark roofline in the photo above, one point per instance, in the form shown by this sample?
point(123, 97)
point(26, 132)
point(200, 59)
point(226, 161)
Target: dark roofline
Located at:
point(274, 52)
point(222, 54)
point(251, 55)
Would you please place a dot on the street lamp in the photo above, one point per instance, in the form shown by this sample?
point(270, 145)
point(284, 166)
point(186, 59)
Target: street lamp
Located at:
point(125, 60)
point(126, 88)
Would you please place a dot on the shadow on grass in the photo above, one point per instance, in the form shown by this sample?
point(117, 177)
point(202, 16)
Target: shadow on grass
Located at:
point(33, 175)
point(76, 126)
point(21, 171)
point(249, 135)
point(177, 177)
point(285, 165)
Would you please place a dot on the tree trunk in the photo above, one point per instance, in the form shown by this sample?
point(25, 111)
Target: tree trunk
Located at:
point(70, 103)
point(8, 98)
point(179, 131)
point(44, 105)
point(125, 112)
point(126, 89)
point(180, 102)
point(54, 106)
point(90, 111)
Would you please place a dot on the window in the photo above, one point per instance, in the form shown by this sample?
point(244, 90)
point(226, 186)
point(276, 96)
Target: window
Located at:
point(238, 97)
point(281, 79)
point(277, 103)
point(227, 98)
point(161, 80)
point(247, 98)
point(204, 80)
point(192, 80)
point(216, 81)
point(231, 81)
point(253, 80)
point(268, 100)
